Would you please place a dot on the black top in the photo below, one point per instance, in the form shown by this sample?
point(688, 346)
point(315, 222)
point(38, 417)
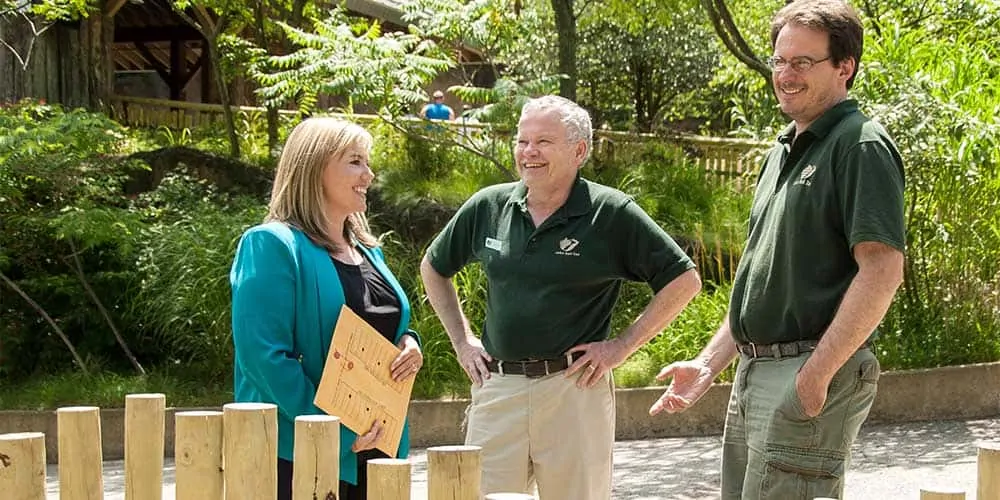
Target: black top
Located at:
point(370, 296)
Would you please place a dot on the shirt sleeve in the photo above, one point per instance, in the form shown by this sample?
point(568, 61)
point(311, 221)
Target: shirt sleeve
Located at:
point(648, 253)
point(263, 306)
point(870, 194)
point(454, 246)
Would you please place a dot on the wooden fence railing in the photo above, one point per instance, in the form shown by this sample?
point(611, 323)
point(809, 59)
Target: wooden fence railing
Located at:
point(725, 157)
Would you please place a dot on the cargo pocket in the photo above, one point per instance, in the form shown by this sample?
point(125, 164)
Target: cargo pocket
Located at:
point(792, 473)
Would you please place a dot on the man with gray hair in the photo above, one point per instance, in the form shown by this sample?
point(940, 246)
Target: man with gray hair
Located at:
point(556, 249)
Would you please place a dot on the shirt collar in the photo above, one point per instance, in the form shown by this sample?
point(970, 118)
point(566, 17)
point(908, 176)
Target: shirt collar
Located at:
point(578, 202)
point(824, 124)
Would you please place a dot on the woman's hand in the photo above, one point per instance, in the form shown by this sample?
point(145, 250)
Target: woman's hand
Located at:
point(367, 441)
point(408, 363)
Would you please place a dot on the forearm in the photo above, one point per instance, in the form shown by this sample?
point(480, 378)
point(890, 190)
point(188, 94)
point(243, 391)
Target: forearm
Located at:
point(720, 351)
point(444, 300)
point(864, 305)
point(666, 305)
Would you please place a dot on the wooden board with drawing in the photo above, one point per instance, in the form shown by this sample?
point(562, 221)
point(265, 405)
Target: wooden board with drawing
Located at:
point(357, 385)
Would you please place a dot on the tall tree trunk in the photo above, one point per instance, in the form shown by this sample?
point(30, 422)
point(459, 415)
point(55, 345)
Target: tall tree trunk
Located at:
point(259, 14)
point(224, 98)
point(566, 33)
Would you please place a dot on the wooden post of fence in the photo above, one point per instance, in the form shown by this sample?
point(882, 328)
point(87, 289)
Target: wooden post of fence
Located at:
point(453, 472)
point(144, 431)
point(317, 457)
point(198, 455)
point(989, 472)
point(388, 479)
point(509, 496)
point(250, 450)
point(941, 494)
point(80, 455)
point(22, 465)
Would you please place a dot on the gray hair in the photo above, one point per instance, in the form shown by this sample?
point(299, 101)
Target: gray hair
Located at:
point(575, 118)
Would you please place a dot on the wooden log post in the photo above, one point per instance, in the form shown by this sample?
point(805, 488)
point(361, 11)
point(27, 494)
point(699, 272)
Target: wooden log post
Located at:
point(250, 451)
point(941, 494)
point(144, 434)
point(454, 472)
point(989, 472)
point(510, 496)
point(22, 465)
point(317, 457)
point(198, 455)
point(389, 479)
point(80, 453)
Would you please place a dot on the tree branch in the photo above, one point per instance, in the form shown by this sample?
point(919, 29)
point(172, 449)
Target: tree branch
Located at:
point(78, 268)
point(48, 319)
point(733, 40)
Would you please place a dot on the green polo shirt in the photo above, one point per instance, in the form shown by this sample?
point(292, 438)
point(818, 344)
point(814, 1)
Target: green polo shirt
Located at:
point(836, 185)
point(553, 287)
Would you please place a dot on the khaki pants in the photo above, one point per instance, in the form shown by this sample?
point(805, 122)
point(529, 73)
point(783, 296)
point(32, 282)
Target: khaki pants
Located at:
point(772, 450)
point(544, 431)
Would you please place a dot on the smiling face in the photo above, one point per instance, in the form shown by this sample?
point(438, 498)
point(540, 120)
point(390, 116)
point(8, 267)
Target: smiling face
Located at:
point(546, 160)
point(346, 179)
point(806, 95)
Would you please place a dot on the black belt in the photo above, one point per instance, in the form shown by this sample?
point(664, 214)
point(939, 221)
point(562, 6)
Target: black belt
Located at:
point(782, 349)
point(778, 350)
point(532, 368)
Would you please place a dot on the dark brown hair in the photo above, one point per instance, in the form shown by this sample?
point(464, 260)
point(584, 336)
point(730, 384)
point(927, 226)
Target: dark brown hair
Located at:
point(838, 19)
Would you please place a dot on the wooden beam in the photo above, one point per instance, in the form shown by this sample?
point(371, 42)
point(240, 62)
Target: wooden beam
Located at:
point(111, 7)
point(154, 61)
point(156, 34)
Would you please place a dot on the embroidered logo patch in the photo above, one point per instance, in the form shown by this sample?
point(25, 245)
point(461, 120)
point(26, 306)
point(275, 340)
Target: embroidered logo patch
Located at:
point(566, 247)
point(805, 178)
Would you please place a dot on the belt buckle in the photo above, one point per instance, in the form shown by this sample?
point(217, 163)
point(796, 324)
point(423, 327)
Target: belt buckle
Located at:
point(500, 367)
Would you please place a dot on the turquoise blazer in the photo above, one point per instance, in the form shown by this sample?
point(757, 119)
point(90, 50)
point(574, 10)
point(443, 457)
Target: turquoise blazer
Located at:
point(286, 301)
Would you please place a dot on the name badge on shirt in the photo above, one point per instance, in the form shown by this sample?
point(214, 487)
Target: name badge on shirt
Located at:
point(494, 244)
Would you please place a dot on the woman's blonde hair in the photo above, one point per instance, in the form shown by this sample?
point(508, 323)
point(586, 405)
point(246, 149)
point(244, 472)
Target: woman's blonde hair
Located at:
point(297, 195)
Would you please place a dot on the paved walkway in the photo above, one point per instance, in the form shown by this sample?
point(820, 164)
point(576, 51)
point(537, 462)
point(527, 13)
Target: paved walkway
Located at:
point(890, 462)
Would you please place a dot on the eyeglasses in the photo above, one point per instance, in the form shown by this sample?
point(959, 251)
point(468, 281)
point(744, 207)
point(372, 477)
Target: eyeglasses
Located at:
point(799, 64)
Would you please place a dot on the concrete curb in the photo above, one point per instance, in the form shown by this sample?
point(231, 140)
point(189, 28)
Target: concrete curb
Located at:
point(949, 393)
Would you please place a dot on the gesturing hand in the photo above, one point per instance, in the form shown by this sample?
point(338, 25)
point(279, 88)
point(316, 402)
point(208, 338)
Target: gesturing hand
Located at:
point(691, 380)
point(409, 361)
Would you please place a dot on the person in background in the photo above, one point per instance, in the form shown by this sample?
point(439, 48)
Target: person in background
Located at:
point(823, 259)
point(313, 254)
point(437, 110)
point(556, 249)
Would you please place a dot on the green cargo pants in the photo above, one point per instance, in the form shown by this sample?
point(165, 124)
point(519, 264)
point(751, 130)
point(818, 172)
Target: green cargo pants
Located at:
point(772, 450)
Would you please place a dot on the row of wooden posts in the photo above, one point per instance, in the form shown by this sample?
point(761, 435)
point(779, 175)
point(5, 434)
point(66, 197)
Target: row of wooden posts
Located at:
point(219, 455)
point(232, 455)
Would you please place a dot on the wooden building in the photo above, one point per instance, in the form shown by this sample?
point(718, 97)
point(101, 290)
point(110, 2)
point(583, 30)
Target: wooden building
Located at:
point(141, 49)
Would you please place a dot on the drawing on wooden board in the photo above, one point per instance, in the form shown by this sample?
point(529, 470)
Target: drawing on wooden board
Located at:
point(357, 385)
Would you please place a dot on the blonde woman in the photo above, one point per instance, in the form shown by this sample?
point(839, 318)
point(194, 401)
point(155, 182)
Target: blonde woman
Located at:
point(313, 254)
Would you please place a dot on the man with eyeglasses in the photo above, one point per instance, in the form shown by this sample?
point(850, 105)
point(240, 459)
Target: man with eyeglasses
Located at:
point(555, 249)
point(823, 259)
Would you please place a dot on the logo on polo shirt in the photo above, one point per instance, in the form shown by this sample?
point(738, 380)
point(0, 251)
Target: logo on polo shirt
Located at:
point(805, 179)
point(566, 247)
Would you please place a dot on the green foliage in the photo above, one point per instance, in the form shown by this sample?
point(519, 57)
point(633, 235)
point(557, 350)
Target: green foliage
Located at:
point(635, 59)
point(181, 298)
point(935, 88)
point(108, 390)
point(60, 184)
point(353, 59)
